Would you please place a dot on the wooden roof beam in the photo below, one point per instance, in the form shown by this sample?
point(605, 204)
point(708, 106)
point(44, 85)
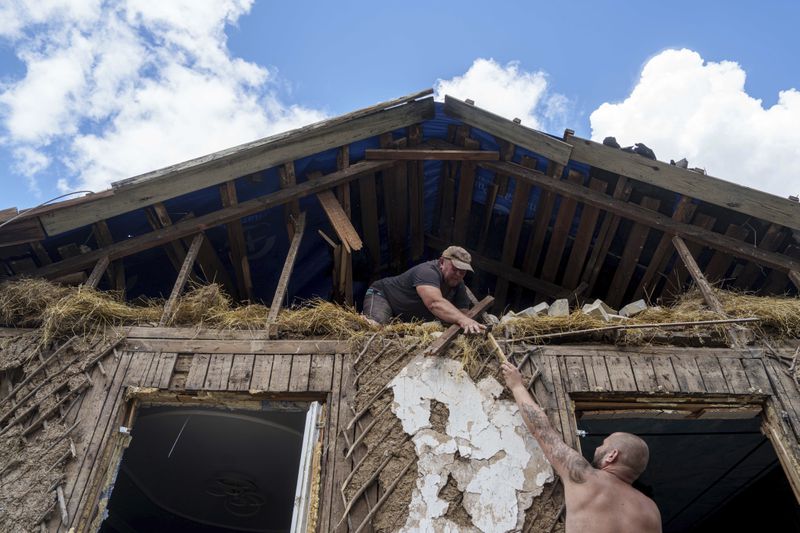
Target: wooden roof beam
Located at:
point(423, 154)
point(656, 220)
point(286, 273)
point(191, 226)
point(707, 188)
point(183, 275)
point(215, 169)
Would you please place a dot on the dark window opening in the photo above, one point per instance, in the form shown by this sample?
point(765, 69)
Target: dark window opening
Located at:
point(208, 470)
point(707, 475)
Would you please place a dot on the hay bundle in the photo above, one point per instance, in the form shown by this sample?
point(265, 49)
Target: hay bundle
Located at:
point(200, 303)
point(323, 318)
point(23, 302)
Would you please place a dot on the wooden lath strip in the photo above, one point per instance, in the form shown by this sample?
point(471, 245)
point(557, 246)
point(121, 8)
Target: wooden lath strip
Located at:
point(236, 240)
point(187, 227)
point(657, 220)
point(183, 275)
point(283, 281)
point(339, 221)
point(630, 256)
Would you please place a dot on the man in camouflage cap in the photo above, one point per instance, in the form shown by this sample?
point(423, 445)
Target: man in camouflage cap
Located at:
point(429, 291)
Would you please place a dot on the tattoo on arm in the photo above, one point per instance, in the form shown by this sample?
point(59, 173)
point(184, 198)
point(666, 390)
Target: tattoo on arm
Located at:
point(558, 453)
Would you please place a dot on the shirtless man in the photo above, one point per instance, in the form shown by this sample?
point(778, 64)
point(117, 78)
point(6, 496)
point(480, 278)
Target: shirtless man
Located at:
point(598, 497)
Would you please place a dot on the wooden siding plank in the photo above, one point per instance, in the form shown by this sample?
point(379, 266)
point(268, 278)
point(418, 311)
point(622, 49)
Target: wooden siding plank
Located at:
point(757, 375)
point(621, 374)
point(571, 427)
point(330, 499)
point(644, 373)
point(262, 372)
point(232, 346)
point(281, 370)
point(735, 375)
point(601, 377)
point(688, 374)
point(197, 371)
point(152, 375)
point(576, 374)
point(321, 373)
point(665, 374)
point(301, 368)
point(219, 370)
point(241, 371)
point(165, 369)
point(138, 369)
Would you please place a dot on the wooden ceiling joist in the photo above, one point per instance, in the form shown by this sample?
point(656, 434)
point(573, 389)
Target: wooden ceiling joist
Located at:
point(141, 191)
point(540, 143)
point(707, 188)
point(644, 216)
point(191, 226)
point(421, 154)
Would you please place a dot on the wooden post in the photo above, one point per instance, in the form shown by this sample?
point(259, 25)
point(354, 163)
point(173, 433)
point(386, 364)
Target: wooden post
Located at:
point(97, 272)
point(705, 288)
point(183, 275)
point(283, 281)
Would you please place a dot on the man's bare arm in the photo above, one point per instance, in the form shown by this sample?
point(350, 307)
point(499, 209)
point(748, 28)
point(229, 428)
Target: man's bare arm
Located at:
point(445, 311)
point(568, 463)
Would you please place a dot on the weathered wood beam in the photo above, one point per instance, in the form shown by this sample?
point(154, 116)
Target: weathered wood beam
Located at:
point(416, 192)
point(439, 346)
point(420, 154)
point(291, 211)
point(286, 273)
point(97, 273)
point(524, 137)
point(560, 233)
point(191, 226)
point(583, 238)
point(500, 269)
point(644, 216)
point(339, 221)
point(795, 277)
point(713, 190)
point(116, 270)
point(21, 231)
point(236, 240)
point(770, 241)
point(183, 275)
point(217, 168)
point(345, 289)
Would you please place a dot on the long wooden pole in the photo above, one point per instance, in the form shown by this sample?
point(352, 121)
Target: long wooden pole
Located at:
point(183, 275)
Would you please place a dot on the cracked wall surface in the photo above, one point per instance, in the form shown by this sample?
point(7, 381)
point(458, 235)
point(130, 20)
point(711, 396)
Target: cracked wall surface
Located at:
point(484, 446)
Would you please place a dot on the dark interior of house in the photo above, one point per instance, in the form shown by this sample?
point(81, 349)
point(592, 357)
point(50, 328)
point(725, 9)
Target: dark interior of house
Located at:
point(707, 475)
point(208, 470)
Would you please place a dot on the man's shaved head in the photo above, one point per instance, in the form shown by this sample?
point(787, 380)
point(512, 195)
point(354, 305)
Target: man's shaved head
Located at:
point(632, 452)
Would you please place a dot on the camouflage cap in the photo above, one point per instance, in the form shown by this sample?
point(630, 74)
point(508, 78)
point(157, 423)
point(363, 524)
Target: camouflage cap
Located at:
point(459, 256)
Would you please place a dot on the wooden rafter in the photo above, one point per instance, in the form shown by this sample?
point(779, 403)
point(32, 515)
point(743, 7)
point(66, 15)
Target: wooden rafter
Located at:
point(217, 168)
point(339, 221)
point(422, 154)
point(97, 272)
point(644, 216)
point(183, 275)
point(583, 238)
point(286, 273)
point(191, 226)
point(236, 240)
point(416, 190)
point(116, 270)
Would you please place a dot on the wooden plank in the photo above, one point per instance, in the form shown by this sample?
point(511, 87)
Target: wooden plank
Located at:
point(491, 199)
point(720, 262)
point(466, 185)
point(757, 375)
point(712, 375)
point(430, 154)
point(583, 238)
point(22, 231)
point(138, 369)
point(638, 214)
point(497, 268)
point(97, 272)
point(116, 272)
point(242, 160)
point(560, 233)
point(438, 346)
point(234, 346)
point(665, 374)
point(691, 265)
point(241, 371)
point(219, 370)
point(321, 373)
point(735, 375)
point(677, 279)
point(600, 370)
point(369, 217)
point(339, 220)
point(446, 212)
point(608, 228)
point(786, 390)
point(416, 208)
point(281, 370)
point(191, 226)
point(522, 136)
point(152, 374)
point(236, 241)
point(621, 374)
point(197, 371)
point(576, 374)
point(683, 212)
point(301, 369)
point(262, 372)
point(687, 374)
point(644, 373)
point(291, 210)
point(166, 366)
point(183, 276)
point(395, 199)
point(637, 237)
point(516, 216)
point(286, 272)
point(688, 183)
point(777, 282)
point(329, 493)
point(568, 425)
point(769, 241)
point(542, 216)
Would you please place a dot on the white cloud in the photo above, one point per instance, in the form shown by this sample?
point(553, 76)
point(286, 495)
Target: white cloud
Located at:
point(508, 91)
point(115, 89)
point(683, 106)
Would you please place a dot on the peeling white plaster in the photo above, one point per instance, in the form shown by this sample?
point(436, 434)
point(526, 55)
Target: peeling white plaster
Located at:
point(500, 468)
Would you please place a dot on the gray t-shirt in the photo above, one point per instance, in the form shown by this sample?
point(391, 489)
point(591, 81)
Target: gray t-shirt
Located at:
point(401, 291)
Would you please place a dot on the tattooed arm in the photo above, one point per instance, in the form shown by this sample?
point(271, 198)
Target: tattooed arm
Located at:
point(568, 463)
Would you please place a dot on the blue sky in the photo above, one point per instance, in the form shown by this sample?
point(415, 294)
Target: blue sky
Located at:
point(96, 91)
